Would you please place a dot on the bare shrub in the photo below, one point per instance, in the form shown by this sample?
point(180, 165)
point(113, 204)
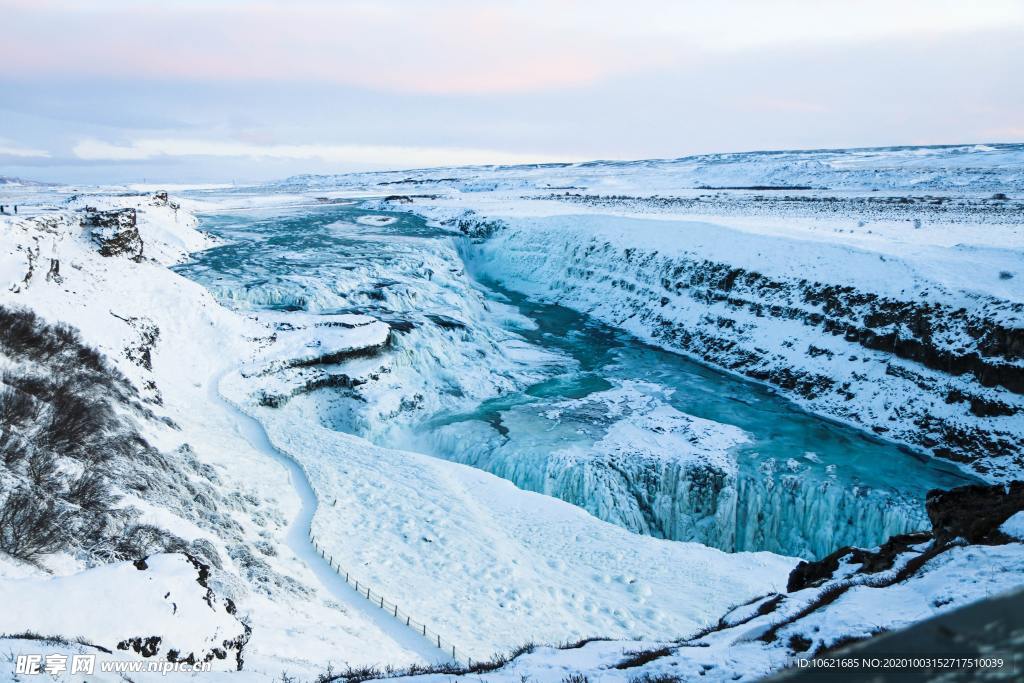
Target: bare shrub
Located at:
point(91, 493)
point(17, 407)
point(30, 525)
point(41, 470)
point(19, 330)
point(637, 658)
point(206, 552)
point(24, 334)
point(36, 386)
point(76, 425)
point(576, 644)
point(18, 411)
point(61, 401)
point(656, 678)
point(142, 540)
point(500, 659)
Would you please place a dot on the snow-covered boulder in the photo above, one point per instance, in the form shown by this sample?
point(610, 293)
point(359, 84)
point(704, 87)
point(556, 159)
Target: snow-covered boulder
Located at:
point(304, 353)
point(324, 340)
point(157, 607)
point(1014, 526)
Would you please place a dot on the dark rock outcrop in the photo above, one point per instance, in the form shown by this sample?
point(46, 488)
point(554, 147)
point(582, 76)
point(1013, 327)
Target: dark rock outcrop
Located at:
point(810, 574)
point(445, 322)
point(147, 647)
point(974, 513)
point(115, 232)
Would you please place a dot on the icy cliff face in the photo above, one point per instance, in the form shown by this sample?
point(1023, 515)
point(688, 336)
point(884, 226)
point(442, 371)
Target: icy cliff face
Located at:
point(623, 454)
point(628, 457)
point(889, 343)
point(784, 507)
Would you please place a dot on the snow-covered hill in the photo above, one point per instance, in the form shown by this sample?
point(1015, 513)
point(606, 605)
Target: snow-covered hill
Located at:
point(984, 168)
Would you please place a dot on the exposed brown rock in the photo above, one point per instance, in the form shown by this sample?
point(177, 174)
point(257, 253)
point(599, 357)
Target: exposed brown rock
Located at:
point(115, 232)
point(974, 513)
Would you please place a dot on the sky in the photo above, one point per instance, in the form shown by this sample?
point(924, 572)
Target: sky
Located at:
point(112, 91)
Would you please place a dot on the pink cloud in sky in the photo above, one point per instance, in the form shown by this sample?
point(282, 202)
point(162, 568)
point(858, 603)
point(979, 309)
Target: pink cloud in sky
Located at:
point(256, 88)
point(403, 47)
point(445, 46)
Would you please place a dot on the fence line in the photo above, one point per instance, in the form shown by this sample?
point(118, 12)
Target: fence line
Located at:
point(390, 608)
point(419, 627)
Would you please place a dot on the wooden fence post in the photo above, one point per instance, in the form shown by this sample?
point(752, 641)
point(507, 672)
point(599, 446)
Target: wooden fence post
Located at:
point(348, 579)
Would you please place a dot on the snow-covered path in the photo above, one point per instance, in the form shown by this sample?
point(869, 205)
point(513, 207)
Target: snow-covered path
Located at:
point(297, 535)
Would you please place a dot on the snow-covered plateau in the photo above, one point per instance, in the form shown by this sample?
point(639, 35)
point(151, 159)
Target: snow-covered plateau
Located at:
point(682, 419)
